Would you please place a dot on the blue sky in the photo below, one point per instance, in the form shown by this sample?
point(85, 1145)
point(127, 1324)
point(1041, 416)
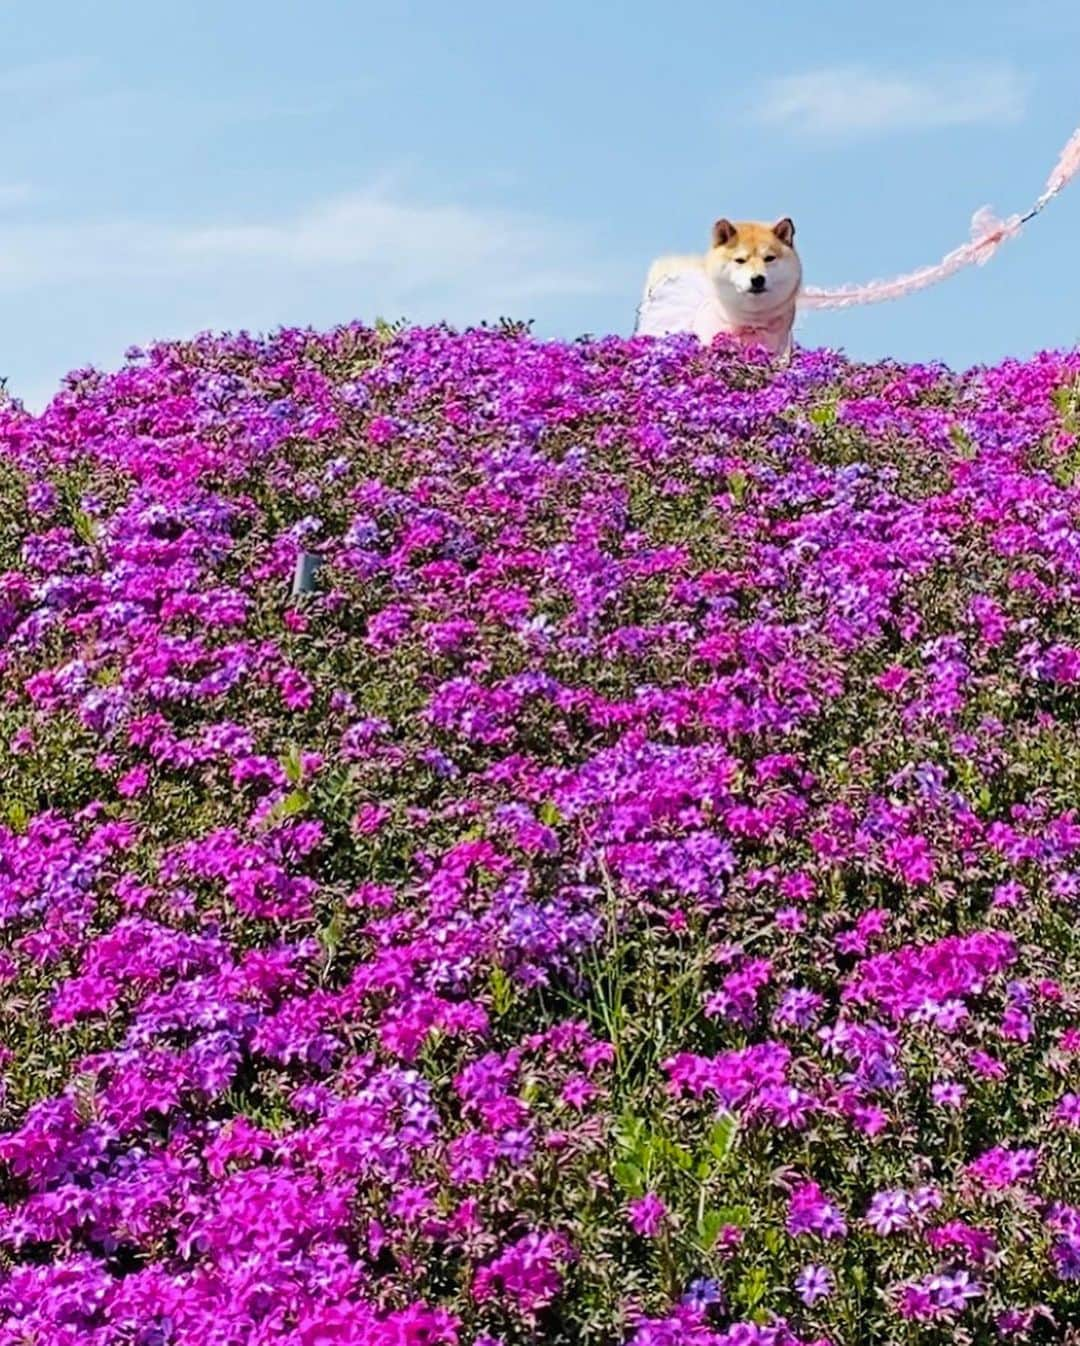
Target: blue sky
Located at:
point(173, 168)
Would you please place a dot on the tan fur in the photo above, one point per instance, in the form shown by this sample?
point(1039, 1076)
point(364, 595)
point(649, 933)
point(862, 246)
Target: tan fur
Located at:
point(740, 251)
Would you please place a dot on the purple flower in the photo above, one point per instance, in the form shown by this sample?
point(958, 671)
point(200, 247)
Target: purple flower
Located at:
point(814, 1283)
point(889, 1212)
point(1066, 1255)
point(954, 1292)
point(810, 1212)
point(703, 1294)
point(938, 1298)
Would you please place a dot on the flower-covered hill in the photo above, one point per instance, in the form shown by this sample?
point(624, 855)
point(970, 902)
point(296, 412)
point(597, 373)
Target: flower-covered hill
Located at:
point(633, 898)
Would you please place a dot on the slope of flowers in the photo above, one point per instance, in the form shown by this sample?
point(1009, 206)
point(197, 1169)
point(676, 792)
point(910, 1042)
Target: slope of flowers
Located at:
point(634, 898)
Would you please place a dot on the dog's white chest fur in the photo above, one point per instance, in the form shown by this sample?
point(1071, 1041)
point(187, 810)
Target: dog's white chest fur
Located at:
point(684, 300)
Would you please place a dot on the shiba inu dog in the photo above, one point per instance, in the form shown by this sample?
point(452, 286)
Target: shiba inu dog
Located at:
point(746, 285)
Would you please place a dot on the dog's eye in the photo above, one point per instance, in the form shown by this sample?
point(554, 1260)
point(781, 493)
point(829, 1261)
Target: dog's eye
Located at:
point(771, 257)
point(742, 260)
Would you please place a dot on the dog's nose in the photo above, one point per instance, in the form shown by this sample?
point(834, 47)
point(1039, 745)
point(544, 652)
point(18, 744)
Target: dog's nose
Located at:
point(757, 283)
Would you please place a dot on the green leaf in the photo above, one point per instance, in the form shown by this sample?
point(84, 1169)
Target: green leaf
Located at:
point(332, 933)
point(739, 1216)
point(292, 765)
point(630, 1133)
point(630, 1178)
point(17, 815)
point(709, 1227)
point(722, 1137)
point(681, 1158)
point(386, 330)
point(502, 992)
point(825, 414)
point(288, 807)
point(85, 527)
point(752, 1287)
point(548, 813)
point(1067, 399)
point(964, 445)
point(294, 803)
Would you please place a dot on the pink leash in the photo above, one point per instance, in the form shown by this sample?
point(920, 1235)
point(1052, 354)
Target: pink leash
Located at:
point(987, 235)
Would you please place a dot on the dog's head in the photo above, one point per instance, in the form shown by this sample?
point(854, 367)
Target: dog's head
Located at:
point(754, 264)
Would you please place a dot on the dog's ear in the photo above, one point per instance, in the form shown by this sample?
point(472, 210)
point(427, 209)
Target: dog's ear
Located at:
point(785, 231)
point(723, 231)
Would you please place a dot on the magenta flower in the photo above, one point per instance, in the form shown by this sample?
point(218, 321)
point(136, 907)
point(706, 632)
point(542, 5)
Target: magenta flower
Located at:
point(723, 701)
point(911, 859)
point(1001, 1167)
point(527, 1275)
point(1067, 1111)
point(648, 1215)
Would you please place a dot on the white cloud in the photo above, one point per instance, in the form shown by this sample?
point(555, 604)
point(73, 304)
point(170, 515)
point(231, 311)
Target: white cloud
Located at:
point(375, 242)
point(857, 100)
point(422, 248)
